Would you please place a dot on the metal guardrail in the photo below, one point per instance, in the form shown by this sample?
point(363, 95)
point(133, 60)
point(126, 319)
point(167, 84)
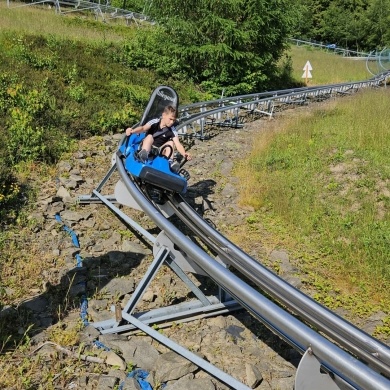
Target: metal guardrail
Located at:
point(101, 10)
point(331, 47)
point(195, 118)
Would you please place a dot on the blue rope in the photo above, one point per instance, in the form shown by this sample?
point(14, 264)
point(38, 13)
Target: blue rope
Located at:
point(84, 310)
point(69, 231)
point(99, 344)
point(140, 376)
point(79, 263)
point(79, 260)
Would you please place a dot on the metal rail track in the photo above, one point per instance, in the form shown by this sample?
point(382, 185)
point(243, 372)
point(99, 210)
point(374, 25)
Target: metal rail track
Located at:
point(351, 358)
point(194, 119)
point(347, 335)
point(348, 370)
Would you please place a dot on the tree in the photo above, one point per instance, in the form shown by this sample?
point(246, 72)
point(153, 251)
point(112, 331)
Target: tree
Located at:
point(333, 21)
point(231, 44)
point(342, 22)
point(377, 24)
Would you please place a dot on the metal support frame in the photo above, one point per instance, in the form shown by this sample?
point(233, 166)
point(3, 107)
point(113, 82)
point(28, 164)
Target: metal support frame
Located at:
point(203, 306)
point(311, 375)
point(166, 253)
point(216, 372)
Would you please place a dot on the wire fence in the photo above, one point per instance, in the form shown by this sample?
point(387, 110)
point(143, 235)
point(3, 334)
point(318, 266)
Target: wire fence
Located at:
point(99, 10)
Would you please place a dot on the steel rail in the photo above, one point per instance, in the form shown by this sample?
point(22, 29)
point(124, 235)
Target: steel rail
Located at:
point(332, 357)
point(199, 112)
point(346, 334)
point(329, 354)
point(281, 93)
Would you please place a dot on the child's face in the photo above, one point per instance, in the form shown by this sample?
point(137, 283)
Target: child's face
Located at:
point(168, 119)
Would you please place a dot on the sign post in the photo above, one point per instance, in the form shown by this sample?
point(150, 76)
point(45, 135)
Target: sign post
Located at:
point(307, 71)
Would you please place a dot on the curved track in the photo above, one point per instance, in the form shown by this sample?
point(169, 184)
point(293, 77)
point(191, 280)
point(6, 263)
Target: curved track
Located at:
point(351, 357)
point(334, 359)
point(347, 335)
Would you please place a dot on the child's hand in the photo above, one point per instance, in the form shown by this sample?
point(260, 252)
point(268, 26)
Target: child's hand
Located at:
point(129, 131)
point(188, 156)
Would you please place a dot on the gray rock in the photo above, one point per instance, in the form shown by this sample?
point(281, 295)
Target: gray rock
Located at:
point(171, 366)
point(134, 351)
point(120, 286)
point(38, 304)
point(68, 183)
point(113, 359)
point(129, 246)
point(253, 375)
point(45, 321)
point(372, 322)
point(145, 355)
point(294, 281)
point(279, 255)
point(226, 168)
point(121, 375)
point(89, 334)
point(98, 316)
point(113, 340)
point(191, 384)
point(111, 243)
point(107, 382)
point(76, 178)
point(130, 384)
point(63, 192)
point(98, 304)
point(55, 208)
point(64, 166)
point(79, 155)
point(39, 338)
point(282, 383)
point(77, 290)
point(229, 191)
point(73, 216)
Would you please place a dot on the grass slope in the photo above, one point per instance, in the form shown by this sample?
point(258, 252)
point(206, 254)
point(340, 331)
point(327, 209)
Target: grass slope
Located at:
point(319, 182)
point(328, 68)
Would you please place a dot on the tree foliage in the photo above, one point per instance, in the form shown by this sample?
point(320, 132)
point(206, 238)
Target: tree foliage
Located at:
point(232, 44)
point(377, 24)
point(353, 24)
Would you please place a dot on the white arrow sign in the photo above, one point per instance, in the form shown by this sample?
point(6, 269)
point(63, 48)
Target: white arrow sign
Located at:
point(307, 68)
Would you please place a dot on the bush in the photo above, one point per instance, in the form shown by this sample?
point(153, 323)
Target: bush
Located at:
point(9, 189)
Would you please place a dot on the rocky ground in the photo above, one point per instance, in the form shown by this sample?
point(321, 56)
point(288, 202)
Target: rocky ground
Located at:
point(92, 254)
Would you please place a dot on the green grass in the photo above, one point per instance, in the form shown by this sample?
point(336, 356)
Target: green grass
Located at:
point(322, 183)
point(328, 68)
point(73, 26)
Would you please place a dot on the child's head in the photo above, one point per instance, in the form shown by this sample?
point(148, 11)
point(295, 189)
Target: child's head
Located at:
point(168, 116)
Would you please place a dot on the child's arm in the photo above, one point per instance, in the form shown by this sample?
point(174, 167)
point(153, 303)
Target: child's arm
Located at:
point(181, 149)
point(137, 130)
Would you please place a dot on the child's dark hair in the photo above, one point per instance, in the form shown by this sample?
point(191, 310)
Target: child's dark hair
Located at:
point(170, 110)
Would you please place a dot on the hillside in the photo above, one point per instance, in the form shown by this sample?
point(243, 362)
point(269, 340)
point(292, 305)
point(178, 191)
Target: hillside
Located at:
point(67, 76)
